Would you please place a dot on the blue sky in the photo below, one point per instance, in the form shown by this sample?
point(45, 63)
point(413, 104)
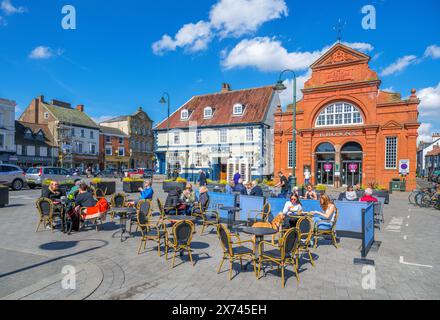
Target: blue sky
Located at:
point(125, 54)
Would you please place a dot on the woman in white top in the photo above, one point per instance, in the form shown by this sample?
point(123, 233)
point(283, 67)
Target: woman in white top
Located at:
point(328, 210)
point(291, 208)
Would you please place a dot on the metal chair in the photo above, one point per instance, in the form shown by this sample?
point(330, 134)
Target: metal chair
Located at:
point(46, 213)
point(326, 227)
point(264, 214)
point(150, 230)
point(181, 240)
point(209, 218)
point(304, 228)
point(99, 193)
point(285, 253)
point(145, 207)
point(234, 250)
point(119, 200)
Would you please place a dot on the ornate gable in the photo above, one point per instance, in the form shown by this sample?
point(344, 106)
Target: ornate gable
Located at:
point(340, 54)
point(391, 125)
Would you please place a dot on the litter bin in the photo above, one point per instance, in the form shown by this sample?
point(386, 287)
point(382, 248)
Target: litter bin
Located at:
point(397, 185)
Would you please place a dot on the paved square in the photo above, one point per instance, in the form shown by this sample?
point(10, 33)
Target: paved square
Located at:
point(406, 265)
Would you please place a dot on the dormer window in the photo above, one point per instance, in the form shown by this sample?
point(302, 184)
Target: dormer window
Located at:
point(28, 134)
point(184, 115)
point(207, 113)
point(238, 109)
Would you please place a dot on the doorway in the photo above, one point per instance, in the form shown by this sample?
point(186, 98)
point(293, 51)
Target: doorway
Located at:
point(325, 164)
point(352, 162)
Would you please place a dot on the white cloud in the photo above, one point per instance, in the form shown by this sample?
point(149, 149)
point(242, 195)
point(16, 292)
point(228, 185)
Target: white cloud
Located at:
point(239, 17)
point(286, 96)
point(400, 65)
point(9, 9)
point(101, 119)
point(425, 133)
point(433, 52)
point(430, 102)
point(192, 37)
point(227, 18)
point(268, 54)
point(42, 52)
point(361, 46)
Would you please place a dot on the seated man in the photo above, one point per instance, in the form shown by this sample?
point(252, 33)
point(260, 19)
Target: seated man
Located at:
point(368, 197)
point(203, 200)
point(53, 192)
point(173, 202)
point(241, 188)
point(256, 190)
point(148, 192)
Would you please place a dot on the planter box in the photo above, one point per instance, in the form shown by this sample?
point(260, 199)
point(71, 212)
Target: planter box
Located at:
point(108, 186)
point(216, 187)
point(168, 186)
point(132, 186)
point(4, 196)
point(382, 194)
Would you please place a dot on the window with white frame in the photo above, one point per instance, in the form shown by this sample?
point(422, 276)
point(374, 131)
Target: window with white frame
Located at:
point(121, 152)
point(223, 135)
point(199, 136)
point(391, 153)
point(91, 134)
point(249, 134)
point(83, 133)
point(108, 139)
point(43, 151)
point(176, 137)
point(184, 114)
point(92, 148)
point(108, 151)
point(198, 160)
point(339, 114)
point(19, 149)
point(290, 154)
point(238, 109)
point(207, 113)
point(250, 157)
point(46, 115)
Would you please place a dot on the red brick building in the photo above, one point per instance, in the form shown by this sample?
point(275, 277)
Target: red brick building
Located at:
point(114, 149)
point(349, 131)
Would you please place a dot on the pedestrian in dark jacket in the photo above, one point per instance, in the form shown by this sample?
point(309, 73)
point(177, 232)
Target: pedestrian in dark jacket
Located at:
point(85, 198)
point(202, 179)
point(256, 190)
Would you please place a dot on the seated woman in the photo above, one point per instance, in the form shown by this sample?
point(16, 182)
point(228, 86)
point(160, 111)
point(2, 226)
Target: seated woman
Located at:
point(85, 198)
point(328, 212)
point(350, 194)
point(188, 198)
point(291, 208)
point(310, 194)
point(203, 200)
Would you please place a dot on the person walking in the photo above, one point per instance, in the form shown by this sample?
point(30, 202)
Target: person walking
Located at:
point(237, 177)
point(202, 179)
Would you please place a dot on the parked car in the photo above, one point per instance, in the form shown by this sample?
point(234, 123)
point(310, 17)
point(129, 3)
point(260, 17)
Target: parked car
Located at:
point(108, 173)
point(134, 173)
point(148, 174)
point(12, 176)
point(36, 176)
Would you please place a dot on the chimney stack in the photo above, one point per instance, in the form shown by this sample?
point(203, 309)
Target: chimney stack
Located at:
point(226, 87)
point(80, 107)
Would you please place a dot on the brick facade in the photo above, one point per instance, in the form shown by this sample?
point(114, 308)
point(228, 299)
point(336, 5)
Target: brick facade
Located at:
point(342, 76)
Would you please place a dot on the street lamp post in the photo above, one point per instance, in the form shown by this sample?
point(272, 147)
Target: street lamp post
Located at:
point(166, 99)
point(281, 87)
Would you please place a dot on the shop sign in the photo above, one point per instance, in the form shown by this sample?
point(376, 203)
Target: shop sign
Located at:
point(404, 167)
point(353, 167)
point(338, 134)
point(328, 167)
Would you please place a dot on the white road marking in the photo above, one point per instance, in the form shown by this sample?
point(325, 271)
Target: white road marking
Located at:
point(413, 264)
point(395, 224)
point(405, 237)
point(407, 225)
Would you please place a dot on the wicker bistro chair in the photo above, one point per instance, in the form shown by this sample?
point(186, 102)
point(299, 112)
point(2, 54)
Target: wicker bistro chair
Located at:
point(285, 252)
point(119, 200)
point(326, 227)
point(46, 213)
point(262, 216)
point(99, 193)
point(182, 234)
point(145, 207)
point(197, 210)
point(234, 250)
point(154, 230)
point(304, 228)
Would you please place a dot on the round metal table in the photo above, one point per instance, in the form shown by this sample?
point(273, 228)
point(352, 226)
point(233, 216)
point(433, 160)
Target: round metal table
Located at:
point(231, 215)
point(180, 218)
point(259, 234)
point(123, 214)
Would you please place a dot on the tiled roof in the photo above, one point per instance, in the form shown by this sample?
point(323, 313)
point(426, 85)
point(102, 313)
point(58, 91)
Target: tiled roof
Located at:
point(388, 97)
point(117, 119)
point(256, 103)
point(21, 127)
point(112, 131)
point(434, 152)
point(71, 116)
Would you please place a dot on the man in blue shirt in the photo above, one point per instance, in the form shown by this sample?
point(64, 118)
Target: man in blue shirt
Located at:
point(148, 192)
point(239, 187)
point(237, 177)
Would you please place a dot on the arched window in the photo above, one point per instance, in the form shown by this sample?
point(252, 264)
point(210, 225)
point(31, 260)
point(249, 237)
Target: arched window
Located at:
point(351, 147)
point(325, 148)
point(339, 114)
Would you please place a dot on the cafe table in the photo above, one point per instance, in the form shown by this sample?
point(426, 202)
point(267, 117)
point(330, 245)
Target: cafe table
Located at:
point(179, 218)
point(231, 215)
point(259, 234)
point(123, 214)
